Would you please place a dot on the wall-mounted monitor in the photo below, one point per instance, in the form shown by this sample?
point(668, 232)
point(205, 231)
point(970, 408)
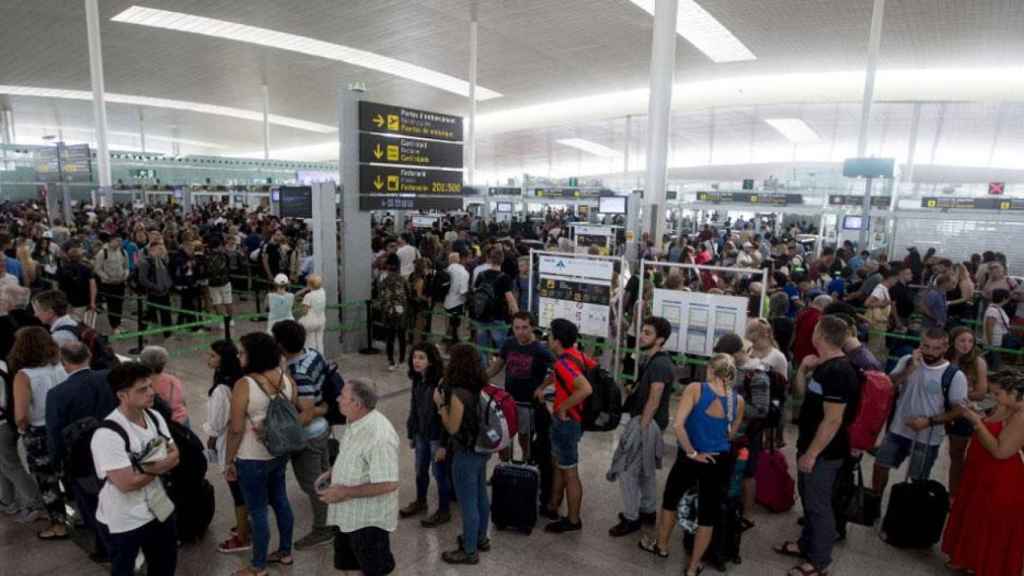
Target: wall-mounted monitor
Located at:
point(296, 202)
point(853, 222)
point(612, 205)
point(504, 207)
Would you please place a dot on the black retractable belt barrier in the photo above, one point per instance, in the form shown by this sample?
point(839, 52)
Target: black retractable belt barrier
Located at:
point(369, 349)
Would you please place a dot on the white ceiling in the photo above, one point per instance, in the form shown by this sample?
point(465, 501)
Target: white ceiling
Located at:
point(532, 51)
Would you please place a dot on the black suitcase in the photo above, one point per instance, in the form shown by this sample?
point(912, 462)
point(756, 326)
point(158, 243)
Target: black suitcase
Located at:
point(916, 514)
point(725, 540)
point(515, 487)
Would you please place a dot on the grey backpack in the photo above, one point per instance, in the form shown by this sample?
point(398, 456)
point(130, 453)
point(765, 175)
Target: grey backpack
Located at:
point(282, 433)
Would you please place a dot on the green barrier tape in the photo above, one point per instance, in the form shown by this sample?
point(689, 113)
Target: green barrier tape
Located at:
point(161, 329)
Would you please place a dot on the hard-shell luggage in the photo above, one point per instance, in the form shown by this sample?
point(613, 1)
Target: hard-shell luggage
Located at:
point(515, 487)
point(917, 510)
point(776, 489)
point(725, 540)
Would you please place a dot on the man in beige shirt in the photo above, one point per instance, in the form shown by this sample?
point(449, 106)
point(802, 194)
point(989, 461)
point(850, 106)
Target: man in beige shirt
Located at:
point(362, 488)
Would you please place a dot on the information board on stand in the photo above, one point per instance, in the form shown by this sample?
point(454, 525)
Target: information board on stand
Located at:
point(409, 159)
point(587, 236)
point(577, 289)
point(698, 319)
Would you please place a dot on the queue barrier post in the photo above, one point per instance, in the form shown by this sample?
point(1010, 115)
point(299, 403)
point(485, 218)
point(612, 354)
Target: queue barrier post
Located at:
point(227, 327)
point(140, 342)
point(369, 349)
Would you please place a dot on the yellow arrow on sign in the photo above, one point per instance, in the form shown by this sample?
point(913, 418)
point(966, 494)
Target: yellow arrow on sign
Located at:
point(378, 120)
point(377, 152)
point(378, 183)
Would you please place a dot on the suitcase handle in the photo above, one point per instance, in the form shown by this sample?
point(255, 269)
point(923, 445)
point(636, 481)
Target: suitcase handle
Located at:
point(530, 409)
point(913, 450)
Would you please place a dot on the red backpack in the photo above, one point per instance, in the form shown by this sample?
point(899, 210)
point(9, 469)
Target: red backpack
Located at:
point(499, 420)
point(876, 399)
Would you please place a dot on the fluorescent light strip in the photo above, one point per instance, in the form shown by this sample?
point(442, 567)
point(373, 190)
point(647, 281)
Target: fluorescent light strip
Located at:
point(705, 32)
point(794, 129)
point(591, 147)
point(294, 43)
point(256, 116)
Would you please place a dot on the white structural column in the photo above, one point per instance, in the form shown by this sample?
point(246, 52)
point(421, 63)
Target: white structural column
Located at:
point(627, 147)
point(266, 122)
point(353, 278)
point(470, 172)
point(659, 113)
point(915, 126)
point(874, 45)
point(997, 132)
point(142, 131)
point(99, 105)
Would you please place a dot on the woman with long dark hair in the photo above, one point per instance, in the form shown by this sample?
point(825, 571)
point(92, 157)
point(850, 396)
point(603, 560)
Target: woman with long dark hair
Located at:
point(457, 401)
point(966, 354)
point(424, 430)
point(35, 363)
point(223, 358)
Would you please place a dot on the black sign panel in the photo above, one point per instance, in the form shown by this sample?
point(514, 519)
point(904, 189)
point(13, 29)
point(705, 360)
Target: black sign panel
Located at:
point(855, 200)
point(383, 118)
point(408, 151)
point(567, 192)
point(388, 180)
point(748, 184)
point(868, 167)
point(409, 203)
point(47, 164)
point(296, 202)
point(972, 203)
point(716, 197)
point(76, 163)
point(505, 191)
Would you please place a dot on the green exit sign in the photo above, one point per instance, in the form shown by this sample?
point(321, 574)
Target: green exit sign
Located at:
point(144, 174)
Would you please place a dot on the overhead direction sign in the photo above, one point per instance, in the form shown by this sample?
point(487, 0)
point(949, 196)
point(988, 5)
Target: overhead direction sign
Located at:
point(379, 149)
point(962, 203)
point(717, 197)
point(409, 203)
point(395, 180)
point(387, 119)
point(858, 200)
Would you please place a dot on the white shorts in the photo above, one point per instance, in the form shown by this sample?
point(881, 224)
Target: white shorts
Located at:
point(220, 295)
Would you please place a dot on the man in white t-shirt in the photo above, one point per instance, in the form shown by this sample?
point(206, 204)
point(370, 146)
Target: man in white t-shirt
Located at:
point(133, 504)
point(922, 409)
point(407, 255)
point(456, 297)
point(879, 310)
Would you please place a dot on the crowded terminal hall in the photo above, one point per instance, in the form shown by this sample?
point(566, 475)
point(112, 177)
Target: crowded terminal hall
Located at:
point(466, 307)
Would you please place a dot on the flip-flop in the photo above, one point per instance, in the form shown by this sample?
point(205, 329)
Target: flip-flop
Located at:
point(745, 524)
point(789, 548)
point(651, 546)
point(52, 535)
point(279, 558)
point(807, 572)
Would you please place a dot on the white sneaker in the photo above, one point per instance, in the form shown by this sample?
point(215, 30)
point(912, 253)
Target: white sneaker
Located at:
point(29, 516)
point(392, 367)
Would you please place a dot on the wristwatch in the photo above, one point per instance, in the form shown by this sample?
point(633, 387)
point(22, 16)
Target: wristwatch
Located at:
point(692, 455)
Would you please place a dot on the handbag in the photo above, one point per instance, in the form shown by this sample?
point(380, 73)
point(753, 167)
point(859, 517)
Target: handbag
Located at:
point(865, 505)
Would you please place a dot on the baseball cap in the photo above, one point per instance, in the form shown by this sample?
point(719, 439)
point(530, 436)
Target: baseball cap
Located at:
point(281, 280)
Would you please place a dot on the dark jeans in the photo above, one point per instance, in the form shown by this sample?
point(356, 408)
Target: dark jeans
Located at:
point(819, 531)
point(159, 543)
point(189, 301)
point(263, 485)
point(425, 450)
point(470, 471)
point(454, 321)
point(390, 333)
point(114, 295)
point(152, 312)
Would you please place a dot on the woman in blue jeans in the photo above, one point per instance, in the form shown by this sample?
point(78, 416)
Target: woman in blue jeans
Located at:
point(260, 475)
point(424, 430)
point(457, 401)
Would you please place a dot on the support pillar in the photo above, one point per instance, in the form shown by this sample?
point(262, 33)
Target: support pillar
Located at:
point(354, 271)
point(659, 113)
point(266, 122)
point(874, 45)
point(142, 132)
point(325, 253)
point(99, 106)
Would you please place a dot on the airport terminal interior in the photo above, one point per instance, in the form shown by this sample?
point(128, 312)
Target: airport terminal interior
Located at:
point(595, 287)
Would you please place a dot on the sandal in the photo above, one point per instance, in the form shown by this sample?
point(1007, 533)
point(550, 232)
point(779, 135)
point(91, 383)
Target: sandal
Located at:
point(789, 548)
point(745, 524)
point(49, 534)
point(697, 572)
point(279, 557)
point(648, 544)
point(801, 570)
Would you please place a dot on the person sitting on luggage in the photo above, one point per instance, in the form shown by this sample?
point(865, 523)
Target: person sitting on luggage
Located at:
point(986, 524)
point(707, 418)
point(424, 429)
point(134, 506)
point(457, 401)
point(930, 391)
point(823, 445)
point(362, 487)
point(649, 403)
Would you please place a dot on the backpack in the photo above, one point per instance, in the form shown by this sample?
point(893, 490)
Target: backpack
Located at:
point(102, 353)
point(498, 420)
point(217, 270)
point(757, 391)
point(333, 383)
point(483, 301)
point(256, 254)
point(77, 436)
point(877, 395)
point(282, 433)
point(602, 410)
point(439, 286)
point(947, 382)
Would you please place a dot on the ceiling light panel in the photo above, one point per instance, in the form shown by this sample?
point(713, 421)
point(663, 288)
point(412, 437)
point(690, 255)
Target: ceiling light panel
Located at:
point(184, 105)
point(794, 129)
point(294, 43)
point(590, 147)
point(705, 32)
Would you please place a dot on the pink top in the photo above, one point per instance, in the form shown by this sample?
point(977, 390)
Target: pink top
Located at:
point(170, 389)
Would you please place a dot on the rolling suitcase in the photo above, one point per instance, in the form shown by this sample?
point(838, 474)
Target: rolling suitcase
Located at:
point(917, 509)
point(515, 487)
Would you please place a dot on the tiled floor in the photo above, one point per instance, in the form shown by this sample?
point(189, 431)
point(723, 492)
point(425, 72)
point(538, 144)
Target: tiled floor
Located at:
point(590, 552)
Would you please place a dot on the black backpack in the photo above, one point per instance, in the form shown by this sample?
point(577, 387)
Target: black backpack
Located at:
point(602, 410)
point(440, 285)
point(102, 353)
point(217, 269)
point(333, 383)
point(483, 301)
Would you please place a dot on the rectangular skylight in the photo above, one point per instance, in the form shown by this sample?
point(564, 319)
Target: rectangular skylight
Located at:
point(794, 129)
point(590, 147)
point(294, 43)
point(705, 32)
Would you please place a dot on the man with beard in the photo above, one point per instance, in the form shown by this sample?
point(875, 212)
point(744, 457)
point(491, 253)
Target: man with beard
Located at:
point(648, 411)
point(930, 389)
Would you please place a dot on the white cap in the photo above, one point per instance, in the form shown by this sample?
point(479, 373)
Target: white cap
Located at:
point(281, 280)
